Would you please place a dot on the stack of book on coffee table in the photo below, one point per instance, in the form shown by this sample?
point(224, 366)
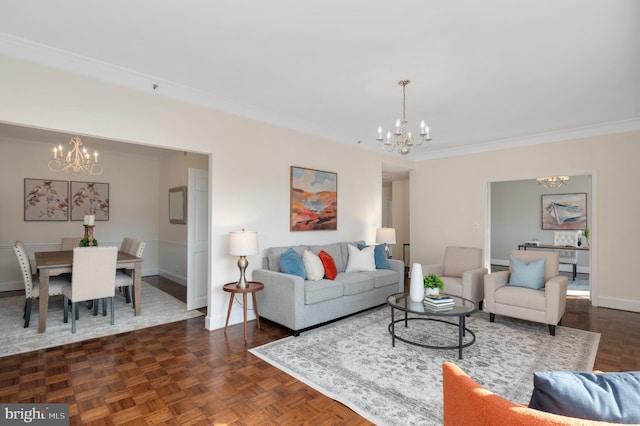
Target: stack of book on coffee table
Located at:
point(439, 302)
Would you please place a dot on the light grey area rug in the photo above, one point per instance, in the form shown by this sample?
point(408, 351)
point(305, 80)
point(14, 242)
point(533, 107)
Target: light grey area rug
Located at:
point(352, 361)
point(158, 308)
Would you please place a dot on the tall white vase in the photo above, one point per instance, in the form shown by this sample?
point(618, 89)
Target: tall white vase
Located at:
point(416, 289)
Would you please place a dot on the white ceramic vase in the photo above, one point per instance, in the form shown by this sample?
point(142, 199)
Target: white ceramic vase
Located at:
point(416, 288)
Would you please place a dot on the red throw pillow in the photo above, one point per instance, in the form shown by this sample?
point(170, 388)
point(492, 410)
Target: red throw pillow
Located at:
point(330, 270)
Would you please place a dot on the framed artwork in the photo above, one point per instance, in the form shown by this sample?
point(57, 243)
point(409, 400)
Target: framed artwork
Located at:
point(564, 211)
point(314, 200)
point(89, 198)
point(178, 205)
point(46, 200)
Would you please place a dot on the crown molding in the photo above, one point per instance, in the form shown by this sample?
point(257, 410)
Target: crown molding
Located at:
point(102, 71)
point(541, 138)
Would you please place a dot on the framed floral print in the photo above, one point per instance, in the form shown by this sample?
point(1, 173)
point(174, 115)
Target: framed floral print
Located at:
point(89, 198)
point(46, 200)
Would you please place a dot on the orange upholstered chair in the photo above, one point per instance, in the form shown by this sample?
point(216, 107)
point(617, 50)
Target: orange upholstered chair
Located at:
point(469, 404)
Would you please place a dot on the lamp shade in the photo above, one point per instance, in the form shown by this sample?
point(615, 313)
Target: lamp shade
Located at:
point(243, 243)
point(386, 236)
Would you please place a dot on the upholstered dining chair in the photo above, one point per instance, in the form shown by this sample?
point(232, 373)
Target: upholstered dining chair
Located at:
point(462, 273)
point(569, 257)
point(124, 279)
point(532, 289)
point(93, 278)
point(69, 243)
point(32, 283)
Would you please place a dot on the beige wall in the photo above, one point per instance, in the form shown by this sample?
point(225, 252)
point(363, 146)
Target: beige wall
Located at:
point(249, 165)
point(456, 210)
point(133, 199)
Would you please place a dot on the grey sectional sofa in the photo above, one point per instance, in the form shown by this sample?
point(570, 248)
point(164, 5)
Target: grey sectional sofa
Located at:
point(300, 304)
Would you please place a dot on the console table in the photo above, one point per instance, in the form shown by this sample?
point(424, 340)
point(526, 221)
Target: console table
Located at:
point(525, 246)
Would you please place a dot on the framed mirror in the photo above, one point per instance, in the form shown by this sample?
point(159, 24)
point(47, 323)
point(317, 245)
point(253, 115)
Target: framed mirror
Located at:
point(178, 205)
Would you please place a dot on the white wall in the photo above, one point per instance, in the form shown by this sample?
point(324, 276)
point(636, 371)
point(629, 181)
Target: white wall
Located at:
point(455, 210)
point(250, 160)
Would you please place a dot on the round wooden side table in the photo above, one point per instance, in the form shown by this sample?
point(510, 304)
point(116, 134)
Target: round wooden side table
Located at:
point(233, 289)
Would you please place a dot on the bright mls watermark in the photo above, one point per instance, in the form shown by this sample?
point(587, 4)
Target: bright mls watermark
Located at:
point(36, 414)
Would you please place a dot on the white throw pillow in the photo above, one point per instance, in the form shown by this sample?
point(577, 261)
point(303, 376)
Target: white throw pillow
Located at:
point(313, 265)
point(361, 260)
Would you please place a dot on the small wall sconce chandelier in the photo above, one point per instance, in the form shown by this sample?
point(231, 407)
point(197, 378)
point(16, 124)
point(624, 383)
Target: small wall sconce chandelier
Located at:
point(76, 160)
point(553, 181)
point(402, 138)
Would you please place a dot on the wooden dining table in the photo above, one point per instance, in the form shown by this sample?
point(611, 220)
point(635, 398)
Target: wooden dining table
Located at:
point(53, 263)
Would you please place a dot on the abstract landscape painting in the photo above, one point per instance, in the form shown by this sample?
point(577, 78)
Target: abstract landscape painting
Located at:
point(314, 200)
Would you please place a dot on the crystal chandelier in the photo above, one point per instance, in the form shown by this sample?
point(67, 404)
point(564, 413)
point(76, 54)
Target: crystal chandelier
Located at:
point(553, 181)
point(402, 138)
point(76, 160)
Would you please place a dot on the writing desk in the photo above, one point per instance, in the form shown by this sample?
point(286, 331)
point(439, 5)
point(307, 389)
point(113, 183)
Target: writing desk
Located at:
point(525, 246)
point(53, 263)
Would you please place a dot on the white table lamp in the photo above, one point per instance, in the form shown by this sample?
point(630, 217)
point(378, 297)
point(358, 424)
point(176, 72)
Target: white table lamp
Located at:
point(386, 236)
point(243, 244)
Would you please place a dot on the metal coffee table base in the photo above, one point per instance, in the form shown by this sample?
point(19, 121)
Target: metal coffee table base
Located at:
point(462, 330)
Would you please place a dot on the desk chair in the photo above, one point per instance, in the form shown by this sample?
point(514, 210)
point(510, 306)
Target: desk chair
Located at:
point(32, 283)
point(567, 257)
point(93, 278)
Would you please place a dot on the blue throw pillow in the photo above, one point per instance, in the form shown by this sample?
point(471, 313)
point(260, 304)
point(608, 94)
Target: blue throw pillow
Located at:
point(529, 275)
point(608, 397)
point(291, 263)
point(379, 256)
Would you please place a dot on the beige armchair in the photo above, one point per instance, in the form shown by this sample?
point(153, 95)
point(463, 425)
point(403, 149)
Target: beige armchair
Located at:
point(462, 273)
point(546, 306)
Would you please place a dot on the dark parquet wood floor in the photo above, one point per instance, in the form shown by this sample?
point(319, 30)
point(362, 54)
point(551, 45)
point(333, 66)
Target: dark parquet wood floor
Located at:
point(182, 374)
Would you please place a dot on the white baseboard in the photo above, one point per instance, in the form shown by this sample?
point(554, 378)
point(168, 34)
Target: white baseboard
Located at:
point(173, 277)
point(621, 304)
point(11, 286)
point(216, 322)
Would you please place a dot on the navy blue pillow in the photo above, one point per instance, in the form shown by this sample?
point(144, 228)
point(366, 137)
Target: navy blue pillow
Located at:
point(291, 263)
point(379, 255)
point(608, 397)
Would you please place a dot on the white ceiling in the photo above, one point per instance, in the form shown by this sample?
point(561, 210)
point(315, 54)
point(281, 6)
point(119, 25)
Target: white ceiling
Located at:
point(484, 74)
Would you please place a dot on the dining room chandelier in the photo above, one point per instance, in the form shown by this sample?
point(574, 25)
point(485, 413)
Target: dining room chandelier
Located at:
point(402, 138)
point(76, 160)
point(553, 181)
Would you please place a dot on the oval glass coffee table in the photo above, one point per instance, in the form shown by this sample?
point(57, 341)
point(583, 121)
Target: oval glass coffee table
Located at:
point(461, 309)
